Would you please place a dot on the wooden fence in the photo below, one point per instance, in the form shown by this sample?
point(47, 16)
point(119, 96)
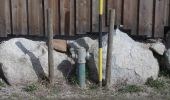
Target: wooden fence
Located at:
point(71, 17)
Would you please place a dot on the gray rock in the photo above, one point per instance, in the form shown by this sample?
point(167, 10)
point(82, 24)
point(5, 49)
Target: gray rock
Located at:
point(168, 41)
point(85, 42)
point(132, 63)
point(26, 61)
point(158, 47)
point(167, 59)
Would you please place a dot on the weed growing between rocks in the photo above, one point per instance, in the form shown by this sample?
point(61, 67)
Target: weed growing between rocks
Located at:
point(2, 84)
point(31, 88)
point(156, 84)
point(131, 89)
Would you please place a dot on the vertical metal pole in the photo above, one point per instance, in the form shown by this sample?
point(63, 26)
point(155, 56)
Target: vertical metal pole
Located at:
point(100, 41)
point(110, 47)
point(50, 47)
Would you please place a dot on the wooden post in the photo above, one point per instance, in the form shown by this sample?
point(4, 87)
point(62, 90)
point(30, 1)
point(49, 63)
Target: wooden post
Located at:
point(110, 47)
point(50, 47)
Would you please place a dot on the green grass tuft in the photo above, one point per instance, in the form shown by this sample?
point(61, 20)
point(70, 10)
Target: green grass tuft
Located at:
point(157, 84)
point(31, 88)
point(2, 84)
point(131, 89)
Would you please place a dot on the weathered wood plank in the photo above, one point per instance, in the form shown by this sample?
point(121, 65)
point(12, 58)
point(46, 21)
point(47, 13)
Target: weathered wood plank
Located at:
point(35, 14)
point(7, 17)
point(95, 16)
point(145, 17)
point(4, 18)
point(72, 24)
point(105, 26)
point(159, 18)
point(117, 5)
point(82, 16)
point(130, 15)
point(55, 12)
point(67, 17)
point(64, 17)
point(166, 14)
point(19, 16)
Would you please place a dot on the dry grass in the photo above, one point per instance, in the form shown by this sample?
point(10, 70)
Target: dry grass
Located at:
point(61, 90)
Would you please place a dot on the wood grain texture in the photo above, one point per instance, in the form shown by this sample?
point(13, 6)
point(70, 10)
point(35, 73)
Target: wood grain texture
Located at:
point(130, 15)
point(55, 14)
point(95, 16)
point(35, 12)
point(71, 17)
point(7, 18)
point(64, 17)
point(159, 18)
point(145, 17)
point(72, 24)
point(166, 14)
point(105, 27)
point(4, 17)
point(82, 16)
point(19, 17)
point(111, 4)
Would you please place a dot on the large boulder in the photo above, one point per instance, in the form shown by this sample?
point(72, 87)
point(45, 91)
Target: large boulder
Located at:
point(24, 61)
point(167, 59)
point(132, 63)
point(158, 48)
point(168, 40)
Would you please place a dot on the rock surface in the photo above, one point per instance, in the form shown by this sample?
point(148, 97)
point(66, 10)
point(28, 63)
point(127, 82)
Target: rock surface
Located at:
point(131, 63)
point(167, 59)
point(25, 61)
point(168, 41)
point(158, 47)
point(60, 45)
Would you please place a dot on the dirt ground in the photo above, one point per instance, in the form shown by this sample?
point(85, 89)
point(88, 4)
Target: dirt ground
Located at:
point(155, 90)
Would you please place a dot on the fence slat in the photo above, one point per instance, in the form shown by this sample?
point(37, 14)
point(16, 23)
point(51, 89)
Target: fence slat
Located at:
point(72, 18)
point(95, 15)
point(35, 14)
point(82, 16)
point(159, 18)
point(105, 27)
point(145, 17)
point(7, 17)
point(19, 17)
point(130, 15)
point(166, 3)
point(64, 17)
point(4, 18)
point(117, 5)
point(55, 10)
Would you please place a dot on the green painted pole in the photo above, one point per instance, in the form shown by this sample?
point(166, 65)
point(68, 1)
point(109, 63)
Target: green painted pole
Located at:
point(81, 67)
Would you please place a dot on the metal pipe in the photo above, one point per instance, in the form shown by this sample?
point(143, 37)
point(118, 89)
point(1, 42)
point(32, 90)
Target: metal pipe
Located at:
point(80, 55)
point(81, 66)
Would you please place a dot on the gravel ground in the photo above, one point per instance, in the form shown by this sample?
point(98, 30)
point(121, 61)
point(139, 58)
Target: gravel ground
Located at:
point(63, 91)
